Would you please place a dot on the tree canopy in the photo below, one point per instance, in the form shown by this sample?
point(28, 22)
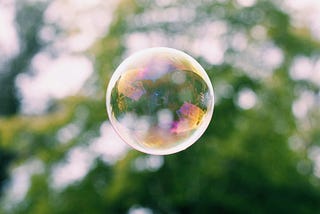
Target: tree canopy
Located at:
point(260, 153)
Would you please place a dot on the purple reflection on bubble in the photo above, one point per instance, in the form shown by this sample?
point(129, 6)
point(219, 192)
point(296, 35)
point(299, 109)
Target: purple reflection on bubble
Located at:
point(189, 115)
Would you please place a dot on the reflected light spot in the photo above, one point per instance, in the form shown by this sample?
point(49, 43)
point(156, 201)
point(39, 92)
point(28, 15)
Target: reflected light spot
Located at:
point(9, 45)
point(165, 118)
point(247, 98)
point(239, 41)
point(163, 3)
point(178, 78)
point(305, 14)
point(139, 210)
point(47, 33)
point(55, 78)
point(314, 155)
point(84, 24)
point(273, 57)
point(138, 41)
point(109, 146)
point(301, 68)
point(211, 45)
point(68, 132)
point(76, 166)
point(210, 48)
point(259, 32)
point(246, 3)
point(302, 105)
point(149, 163)
point(19, 185)
point(316, 73)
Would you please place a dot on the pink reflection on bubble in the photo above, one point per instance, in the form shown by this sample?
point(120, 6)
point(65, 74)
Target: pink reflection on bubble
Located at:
point(190, 116)
point(131, 83)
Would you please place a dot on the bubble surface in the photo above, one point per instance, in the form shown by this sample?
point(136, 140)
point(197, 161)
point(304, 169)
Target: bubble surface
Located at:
point(160, 101)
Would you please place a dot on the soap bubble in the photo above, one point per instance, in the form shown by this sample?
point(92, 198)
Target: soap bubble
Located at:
point(160, 101)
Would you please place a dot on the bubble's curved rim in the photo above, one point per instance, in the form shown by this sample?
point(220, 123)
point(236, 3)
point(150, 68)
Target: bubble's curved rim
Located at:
point(196, 135)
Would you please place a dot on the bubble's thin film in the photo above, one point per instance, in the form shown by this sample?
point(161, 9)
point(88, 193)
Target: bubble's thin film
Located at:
point(160, 101)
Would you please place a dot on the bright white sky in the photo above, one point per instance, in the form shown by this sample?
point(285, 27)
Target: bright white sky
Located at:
point(65, 74)
point(58, 77)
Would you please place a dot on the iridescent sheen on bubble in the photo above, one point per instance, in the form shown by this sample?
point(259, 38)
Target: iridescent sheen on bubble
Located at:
point(160, 101)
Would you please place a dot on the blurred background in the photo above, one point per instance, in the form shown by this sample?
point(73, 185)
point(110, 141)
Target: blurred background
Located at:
point(260, 153)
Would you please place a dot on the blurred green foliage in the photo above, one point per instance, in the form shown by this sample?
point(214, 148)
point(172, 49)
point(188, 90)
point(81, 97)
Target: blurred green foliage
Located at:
point(242, 164)
point(28, 21)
